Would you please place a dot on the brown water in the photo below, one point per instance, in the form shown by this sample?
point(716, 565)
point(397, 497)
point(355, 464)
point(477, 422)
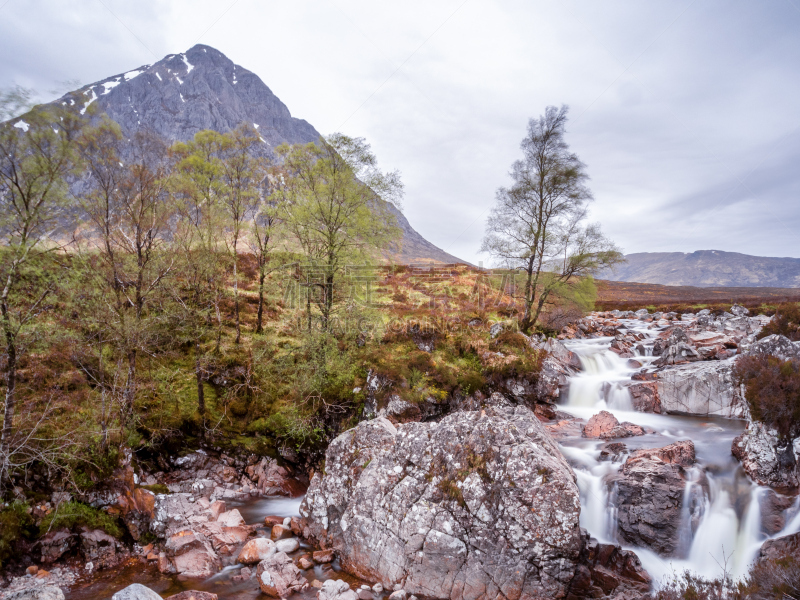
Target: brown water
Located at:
point(105, 584)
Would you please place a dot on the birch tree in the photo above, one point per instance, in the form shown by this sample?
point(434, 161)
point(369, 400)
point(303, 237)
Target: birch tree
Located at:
point(537, 223)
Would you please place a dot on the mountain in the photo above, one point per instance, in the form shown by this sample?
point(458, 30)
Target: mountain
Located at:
point(203, 89)
point(707, 268)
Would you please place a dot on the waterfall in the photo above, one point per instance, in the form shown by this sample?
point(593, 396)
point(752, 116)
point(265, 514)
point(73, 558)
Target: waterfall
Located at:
point(713, 536)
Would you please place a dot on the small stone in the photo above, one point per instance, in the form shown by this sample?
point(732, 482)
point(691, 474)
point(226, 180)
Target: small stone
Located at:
point(377, 588)
point(32, 570)
point(280, 532)
point(288, 546)
point(365, 594)
point(89, 566)
point(323, 556)
point(316, 584)
point(271, 521)
point(398, 594)
point(42, 574)
point(304, 563)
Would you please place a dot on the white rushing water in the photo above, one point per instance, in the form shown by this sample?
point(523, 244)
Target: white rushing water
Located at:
point(721, 524)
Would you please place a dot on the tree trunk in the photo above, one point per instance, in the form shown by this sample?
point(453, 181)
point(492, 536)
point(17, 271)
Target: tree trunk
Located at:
point(236, 295)
point(130, 388)
point(259, 327)
point(8, 416)
point(201, 398)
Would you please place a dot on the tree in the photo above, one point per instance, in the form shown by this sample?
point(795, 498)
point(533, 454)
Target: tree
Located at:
point(38, 152)
point(199, 245)
point(336, 204)
point(129, 210)
point(266, 223)
point(536, 225)
point(242, 176)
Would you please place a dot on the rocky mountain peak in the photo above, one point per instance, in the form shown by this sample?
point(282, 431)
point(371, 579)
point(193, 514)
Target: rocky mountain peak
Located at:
point(201, 88)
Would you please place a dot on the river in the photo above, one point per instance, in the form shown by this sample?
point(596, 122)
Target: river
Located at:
point(721, 521)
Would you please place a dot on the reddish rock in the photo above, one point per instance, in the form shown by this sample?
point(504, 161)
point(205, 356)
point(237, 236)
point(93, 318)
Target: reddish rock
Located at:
point(256, 550)
point(192, 555)
point(279, 532)
point(679, 453)
point(605, 426)
point(567, 428)
point(193, 595)
point(644, 397)
point(273, 520)
point(608, 570)
point(279, 577)
point(323, 556)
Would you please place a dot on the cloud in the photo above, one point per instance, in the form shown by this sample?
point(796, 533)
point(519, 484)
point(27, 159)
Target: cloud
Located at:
point(684, 112)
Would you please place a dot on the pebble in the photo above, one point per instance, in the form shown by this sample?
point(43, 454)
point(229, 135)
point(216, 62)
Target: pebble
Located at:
point(377, 588)
point(287, 546)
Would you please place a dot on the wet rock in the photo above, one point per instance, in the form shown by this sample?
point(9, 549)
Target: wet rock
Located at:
point(56, 543)
point(788, 545)
point(99, 548)
point(564, 429)
point(701, 389)
point(192, 555)
point(766, 458)
point(678, 453)
point(677, 354)
point(271, 479)
point(773, 511)
point(280, 532)
point(615, 452)
point(336, 589)
point(605, 426)
point(288, 545)
point(193, 595)
point(649, 497)
point(279, 577)
point(421, 504)
point(305, 563)
point(606, 571)
point(323, 556)
point(645, 398)
point(256, 550)
point(136, 591)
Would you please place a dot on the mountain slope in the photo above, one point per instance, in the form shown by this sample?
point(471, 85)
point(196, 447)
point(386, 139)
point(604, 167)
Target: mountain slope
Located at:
point(707, 268)
point(203, 89)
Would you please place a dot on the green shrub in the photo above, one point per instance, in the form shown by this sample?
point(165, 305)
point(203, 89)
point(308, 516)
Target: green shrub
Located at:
point(72, 515)
point(15, 523)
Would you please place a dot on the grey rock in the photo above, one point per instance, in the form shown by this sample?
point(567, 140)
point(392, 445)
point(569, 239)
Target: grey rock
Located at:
point(287, 546)
point(739, 311)
point(649, 497)
point(46, 592)
point(336, 589)
point(700, 388)
point(480, 503)
point(136, 591)
point(400, 411)
point(767, 459)
point(775, 345)
point(279, 577)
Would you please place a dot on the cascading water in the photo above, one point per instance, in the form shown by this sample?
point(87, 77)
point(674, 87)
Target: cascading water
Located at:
point(721, 521)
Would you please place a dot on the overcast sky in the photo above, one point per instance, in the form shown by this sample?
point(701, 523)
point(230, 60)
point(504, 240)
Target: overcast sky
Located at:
point(687, 113)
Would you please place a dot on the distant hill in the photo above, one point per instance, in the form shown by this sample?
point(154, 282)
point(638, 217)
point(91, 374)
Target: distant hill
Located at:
point(202, 88)
point(707, 268)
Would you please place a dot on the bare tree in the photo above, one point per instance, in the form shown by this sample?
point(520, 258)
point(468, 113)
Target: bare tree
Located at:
point(536, 225)
point(38, 151)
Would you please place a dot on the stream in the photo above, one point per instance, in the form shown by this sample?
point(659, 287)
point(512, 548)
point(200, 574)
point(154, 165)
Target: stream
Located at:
point(721, 522)
point(106, 583)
